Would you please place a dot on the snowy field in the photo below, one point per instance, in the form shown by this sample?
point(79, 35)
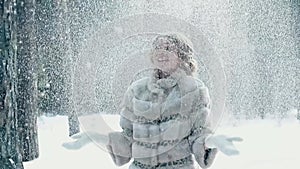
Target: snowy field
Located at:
point(267, 144)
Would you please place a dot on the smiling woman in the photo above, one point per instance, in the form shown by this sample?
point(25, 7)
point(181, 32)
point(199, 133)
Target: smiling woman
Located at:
point(165, 117)
point(172, 51)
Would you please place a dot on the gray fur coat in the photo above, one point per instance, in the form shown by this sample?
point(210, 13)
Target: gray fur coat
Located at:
point(164, 122)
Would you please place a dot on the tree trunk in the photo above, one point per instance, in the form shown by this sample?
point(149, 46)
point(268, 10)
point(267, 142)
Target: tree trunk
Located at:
point(56, 61)
point(26, 84)
point(51, 52)
point(73, 22)
point(10, 156)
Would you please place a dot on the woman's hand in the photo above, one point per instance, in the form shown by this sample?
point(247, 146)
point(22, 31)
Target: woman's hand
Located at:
point(223, 143)
point(82, 139)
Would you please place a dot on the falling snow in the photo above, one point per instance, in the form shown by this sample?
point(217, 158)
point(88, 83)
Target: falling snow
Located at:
point(86, 54)
point(256, 42)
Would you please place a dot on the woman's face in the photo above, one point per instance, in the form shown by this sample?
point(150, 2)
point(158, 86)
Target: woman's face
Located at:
point(165, 56)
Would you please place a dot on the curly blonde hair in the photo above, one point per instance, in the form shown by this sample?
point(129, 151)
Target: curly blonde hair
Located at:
point(184, 49)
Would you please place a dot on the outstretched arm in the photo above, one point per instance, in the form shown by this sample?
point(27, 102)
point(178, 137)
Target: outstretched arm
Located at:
point(203, 143)
point(223, 143)
point(118, 144)
point(201, 128)
point(84, 138)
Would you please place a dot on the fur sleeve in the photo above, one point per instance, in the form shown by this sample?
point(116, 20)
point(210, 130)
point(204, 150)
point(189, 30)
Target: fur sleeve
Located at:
point(201, 129)
point(119, 145)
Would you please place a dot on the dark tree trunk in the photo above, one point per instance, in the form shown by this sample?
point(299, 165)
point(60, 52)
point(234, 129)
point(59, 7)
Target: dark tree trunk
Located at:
point(26, 84)
point(52, 51)
point(73, 22)
point(10, 156)
point(56, 61)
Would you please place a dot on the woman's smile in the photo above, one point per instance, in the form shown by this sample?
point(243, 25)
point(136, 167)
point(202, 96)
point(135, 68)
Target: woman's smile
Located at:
point(162, 59)
point(165, 60)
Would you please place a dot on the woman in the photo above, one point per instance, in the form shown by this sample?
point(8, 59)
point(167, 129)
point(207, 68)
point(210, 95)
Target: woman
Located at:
point(165, 117)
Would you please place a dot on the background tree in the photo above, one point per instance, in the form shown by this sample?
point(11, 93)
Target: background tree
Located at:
point(56, 60)
point(18, 129)
point(10, 156)
point(27, 79)
point(52, 51)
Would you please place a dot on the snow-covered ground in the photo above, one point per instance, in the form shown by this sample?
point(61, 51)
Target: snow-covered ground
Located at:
point(267, 145)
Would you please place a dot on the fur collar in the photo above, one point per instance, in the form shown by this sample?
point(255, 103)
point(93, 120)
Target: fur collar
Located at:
point(159, 85)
